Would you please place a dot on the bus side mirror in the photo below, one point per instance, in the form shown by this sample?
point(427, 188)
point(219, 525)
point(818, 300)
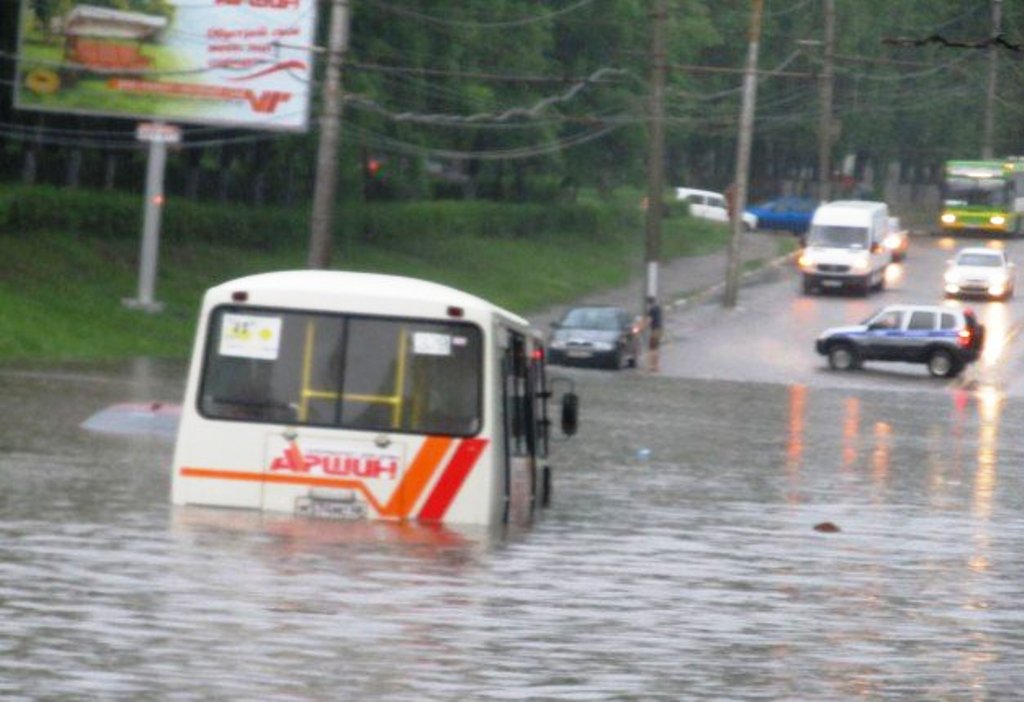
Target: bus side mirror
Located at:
point(570, 413)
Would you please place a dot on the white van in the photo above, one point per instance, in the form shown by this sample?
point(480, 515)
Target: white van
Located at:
point(707, 204)
point(844, 247)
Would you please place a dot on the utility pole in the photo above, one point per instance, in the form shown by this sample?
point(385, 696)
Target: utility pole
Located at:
point(330, 136)
point(746, 134)
point(993, 70)
point(826, 88)
point(656, 153)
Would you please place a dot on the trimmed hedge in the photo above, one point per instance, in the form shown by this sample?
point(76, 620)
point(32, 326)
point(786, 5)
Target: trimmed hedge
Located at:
point(115, 215)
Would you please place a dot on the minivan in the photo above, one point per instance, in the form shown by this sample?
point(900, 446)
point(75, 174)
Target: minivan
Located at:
point(706, 204)
point(844, 247)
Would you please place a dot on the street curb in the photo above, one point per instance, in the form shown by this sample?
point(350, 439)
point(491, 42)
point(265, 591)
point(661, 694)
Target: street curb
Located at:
point(702, 296)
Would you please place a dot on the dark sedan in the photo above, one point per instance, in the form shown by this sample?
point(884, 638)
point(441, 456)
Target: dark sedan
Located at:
point(791, 214)
point(603, 336)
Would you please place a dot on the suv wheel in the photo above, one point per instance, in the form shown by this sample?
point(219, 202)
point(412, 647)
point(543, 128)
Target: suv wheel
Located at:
point(843, 356)
point(941, 364)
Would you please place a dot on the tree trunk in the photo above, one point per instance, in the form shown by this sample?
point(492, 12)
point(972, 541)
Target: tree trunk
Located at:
point(223, 175)
point(110, 171)
point(193, 173)
point(74, 168)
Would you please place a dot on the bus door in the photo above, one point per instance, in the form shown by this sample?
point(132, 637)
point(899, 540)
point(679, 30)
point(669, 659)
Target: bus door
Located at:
point(520, 430)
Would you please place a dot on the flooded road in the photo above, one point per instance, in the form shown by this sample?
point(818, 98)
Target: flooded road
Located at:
point(679, 559)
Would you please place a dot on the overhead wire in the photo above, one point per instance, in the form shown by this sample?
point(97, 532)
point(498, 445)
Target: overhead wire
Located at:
point(479, 24)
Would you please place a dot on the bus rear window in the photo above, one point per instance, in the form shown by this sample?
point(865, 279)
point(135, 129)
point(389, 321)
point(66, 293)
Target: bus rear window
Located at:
point(358, 372)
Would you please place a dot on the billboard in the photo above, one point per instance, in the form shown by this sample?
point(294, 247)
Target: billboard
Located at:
point(240, 63)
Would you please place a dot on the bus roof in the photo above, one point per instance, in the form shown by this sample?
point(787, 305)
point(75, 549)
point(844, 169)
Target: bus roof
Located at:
point(345, 291)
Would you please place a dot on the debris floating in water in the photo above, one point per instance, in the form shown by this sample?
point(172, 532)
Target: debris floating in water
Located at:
point(643, 454)
point(159, 418)
point(826, 527)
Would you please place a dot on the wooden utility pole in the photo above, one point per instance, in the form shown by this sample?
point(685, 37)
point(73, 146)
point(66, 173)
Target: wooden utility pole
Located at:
point(656, 154)
point(330, 137)
point(826, 88)
point(732, 275)
point(993, 73)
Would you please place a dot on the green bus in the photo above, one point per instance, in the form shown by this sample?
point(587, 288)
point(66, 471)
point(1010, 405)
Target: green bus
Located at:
point(983, 197)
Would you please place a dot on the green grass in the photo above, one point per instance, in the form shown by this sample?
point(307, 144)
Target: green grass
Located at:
point(61, 293)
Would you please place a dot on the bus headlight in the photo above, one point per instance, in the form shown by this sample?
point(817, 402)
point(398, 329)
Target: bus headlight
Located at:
point(948, 218)
point(997, 220)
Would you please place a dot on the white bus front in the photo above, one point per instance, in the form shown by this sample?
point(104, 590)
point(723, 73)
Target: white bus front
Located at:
point(347, 415)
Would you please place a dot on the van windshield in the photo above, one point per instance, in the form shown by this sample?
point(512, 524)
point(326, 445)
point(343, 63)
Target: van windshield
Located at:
point(839, 236)
point(357, 372)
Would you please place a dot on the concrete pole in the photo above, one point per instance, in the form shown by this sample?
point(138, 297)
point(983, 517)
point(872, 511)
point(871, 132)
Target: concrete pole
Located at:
point(732, 275)
point(993, 74)
point(149, 248)
point(826, 89)
point(151, 222)
point(330, 137)
point(655, 154)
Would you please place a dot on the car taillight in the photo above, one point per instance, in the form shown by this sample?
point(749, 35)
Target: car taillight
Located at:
point(963, 338)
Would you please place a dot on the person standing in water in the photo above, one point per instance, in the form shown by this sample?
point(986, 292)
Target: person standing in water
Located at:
point(653, 322)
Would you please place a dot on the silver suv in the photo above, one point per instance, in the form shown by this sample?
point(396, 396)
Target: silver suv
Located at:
point(944, 338)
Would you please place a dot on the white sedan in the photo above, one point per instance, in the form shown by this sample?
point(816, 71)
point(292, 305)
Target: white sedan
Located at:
point(982, 272)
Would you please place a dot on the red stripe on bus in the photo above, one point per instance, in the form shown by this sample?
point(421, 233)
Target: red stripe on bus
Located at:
point(416, 477)
point(450, 482)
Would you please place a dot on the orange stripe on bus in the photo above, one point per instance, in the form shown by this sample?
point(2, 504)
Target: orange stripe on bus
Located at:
point(421, 470)
point(311, 481)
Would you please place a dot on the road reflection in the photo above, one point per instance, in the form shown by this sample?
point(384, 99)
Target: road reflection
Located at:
point(990, 403)
point(894, 274)
point(998, 327)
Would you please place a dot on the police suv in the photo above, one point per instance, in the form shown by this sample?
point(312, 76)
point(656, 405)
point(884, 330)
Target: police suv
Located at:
point(946, 339)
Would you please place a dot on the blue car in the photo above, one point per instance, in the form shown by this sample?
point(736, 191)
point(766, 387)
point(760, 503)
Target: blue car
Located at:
point(791, 214)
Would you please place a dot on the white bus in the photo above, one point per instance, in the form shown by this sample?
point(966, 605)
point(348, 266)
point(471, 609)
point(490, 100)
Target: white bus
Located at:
point(365, 396)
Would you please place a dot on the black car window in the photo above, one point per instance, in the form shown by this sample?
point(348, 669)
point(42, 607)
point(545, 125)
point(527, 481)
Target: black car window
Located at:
point(922, 320)
point(890, 320)
point(948, 321)
point(980, 259)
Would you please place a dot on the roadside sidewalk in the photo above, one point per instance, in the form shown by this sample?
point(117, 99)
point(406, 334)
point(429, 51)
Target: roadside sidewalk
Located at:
point(684, 282)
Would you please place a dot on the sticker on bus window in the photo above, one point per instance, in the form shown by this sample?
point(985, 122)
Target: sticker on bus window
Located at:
point(247, 336)
point(431, 344)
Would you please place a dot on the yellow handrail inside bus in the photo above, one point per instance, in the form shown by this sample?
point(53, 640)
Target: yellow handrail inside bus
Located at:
point(308, 393)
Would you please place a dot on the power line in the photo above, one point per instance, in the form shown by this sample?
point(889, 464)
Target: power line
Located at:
point(477, 24)
point(998, 41)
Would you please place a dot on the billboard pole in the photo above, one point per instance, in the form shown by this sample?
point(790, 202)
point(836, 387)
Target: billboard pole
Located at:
point(158, 135)
point(330, 136)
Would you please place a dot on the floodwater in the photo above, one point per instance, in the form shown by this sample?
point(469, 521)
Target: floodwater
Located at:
point(679, 559)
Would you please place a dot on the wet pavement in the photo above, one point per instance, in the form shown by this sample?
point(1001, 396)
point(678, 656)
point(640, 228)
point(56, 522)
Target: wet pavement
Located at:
point(679, 559)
